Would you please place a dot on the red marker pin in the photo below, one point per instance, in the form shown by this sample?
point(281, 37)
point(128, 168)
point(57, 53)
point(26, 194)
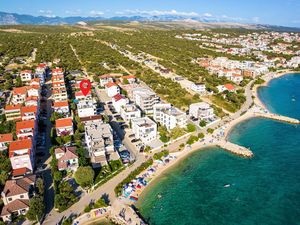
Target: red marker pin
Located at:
point(85, 86)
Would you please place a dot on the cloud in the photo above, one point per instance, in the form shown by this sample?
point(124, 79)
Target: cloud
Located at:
point(47, 13)
point(96, 13)
point(207, 15)
point(75, 12)
point(255, 19)
point(157, 13)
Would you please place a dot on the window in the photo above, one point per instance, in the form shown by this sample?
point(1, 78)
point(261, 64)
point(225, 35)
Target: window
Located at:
point(21, 196)
point(9, 199)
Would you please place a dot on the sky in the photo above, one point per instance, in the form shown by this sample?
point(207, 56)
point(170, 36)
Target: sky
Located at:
point(274, 12)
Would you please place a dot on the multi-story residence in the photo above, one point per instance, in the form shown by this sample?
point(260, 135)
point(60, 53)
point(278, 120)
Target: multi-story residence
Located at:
point(64, 126)
point(29, 112)
point(60, 94)
point(26, 76)
point(13, 112)
point(112, 89)
point(58, 84)
point(26, 129)
point(40, 72)
point(91, 119)
point(21, 155)
point(19, 95)
point(105, 79)
point(99, 140)
point(86, 108)
point(130, 78)
point(145, 129)
point(61, 107)
point(80, 96)
point(16, 195)
point(32, 101)
point(5, 139)
point(33, 91)
point(129, 112)
point(35, 82)
point(145, 99)
point(118, 101)
point(199, 88)
point(57, 72)
point(169, 116)
point(67, 158)
point(202, 111)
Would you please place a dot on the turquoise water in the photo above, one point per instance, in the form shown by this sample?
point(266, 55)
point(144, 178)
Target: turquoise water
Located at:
point(263, 190)
point(282, 95)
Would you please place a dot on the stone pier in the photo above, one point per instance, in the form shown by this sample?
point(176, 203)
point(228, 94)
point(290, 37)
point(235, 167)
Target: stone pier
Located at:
point(277, 117)
point(236, 149)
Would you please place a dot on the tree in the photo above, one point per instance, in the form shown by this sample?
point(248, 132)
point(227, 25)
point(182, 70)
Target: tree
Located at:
point(125, 81)
point(19, 82)
point(202, 123)
point(210, 130)
point(40, 186)
point(36, 208)
point(201, 135)
point(191, 128)
point(84, 176)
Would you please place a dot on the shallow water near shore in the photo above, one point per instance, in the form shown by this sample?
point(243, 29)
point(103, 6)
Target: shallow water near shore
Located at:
point(216, 187)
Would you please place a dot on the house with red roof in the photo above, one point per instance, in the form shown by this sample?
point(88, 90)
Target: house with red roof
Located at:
point(64, 126)
point(112, 89)
point(130, 78)
point(26, 129)
point(16, 195)
point(59, 94)
point(33, 91)
point(80, 96)
point(21, 155)
point(226, 87)
point(13, 112)
point(61, 107)
point(5, 139)
point(67, 158)
point(29, 112)
point(35, 82)
point(19, 95)
point(106, 78)
point(118, 101)
point(57, 71)
point(32, 101)
point(26, 76)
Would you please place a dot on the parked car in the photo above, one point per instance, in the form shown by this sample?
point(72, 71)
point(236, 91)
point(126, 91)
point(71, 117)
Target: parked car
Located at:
point(134, 140)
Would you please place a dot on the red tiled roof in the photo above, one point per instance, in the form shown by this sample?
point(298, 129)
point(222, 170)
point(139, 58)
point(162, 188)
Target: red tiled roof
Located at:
point(24, 125)
point(229, 87)
point(57, 70)
point(129, 77)
point(26, 71)
point(35, 98)
point(15, 206)
point(118, 97)
point(6, 137)
point(42, 65)
point(20, 171)
point(60, 104)
point(110, 84)
point(65, 122)
point(13, 107)
point(18, 145)
point(20, 90)
point(28, 109)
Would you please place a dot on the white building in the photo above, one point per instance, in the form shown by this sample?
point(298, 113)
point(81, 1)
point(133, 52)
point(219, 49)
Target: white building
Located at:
point(86, 108)
point(199, 88)
point(61, 107)
point(201, 110)
point(129, 112)
point(169, 116)
point(118, 101)
point(26, 76)
point(145, 99)
point(145, 129)
point(112, 89)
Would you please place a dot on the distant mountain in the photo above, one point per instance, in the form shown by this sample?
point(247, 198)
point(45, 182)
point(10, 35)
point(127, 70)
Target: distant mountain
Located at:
point(190, 22)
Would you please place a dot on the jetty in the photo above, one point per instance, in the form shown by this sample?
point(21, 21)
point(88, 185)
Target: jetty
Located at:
point(277, 117)
point(235, 149)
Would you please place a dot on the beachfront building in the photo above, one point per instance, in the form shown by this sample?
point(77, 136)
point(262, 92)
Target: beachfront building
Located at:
point(21, 155)
point(100, 144)
point(13, 112)
point(67, 158)
point(129, 112)
point(64, 126)
point(16, 195)
point(145, 129)
point(202, 111)
point(145, 99)
point(169, 116)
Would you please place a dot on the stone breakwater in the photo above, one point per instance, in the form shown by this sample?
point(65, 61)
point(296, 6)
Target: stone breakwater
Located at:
point(235, 149)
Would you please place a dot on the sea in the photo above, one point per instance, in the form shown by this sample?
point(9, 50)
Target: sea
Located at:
point(214, 187)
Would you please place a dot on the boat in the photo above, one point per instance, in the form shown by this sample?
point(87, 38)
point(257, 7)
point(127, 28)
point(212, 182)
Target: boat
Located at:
point(134, 199)
point(227, 185)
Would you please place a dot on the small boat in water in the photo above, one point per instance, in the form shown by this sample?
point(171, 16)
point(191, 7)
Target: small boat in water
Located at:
point(227, 185)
